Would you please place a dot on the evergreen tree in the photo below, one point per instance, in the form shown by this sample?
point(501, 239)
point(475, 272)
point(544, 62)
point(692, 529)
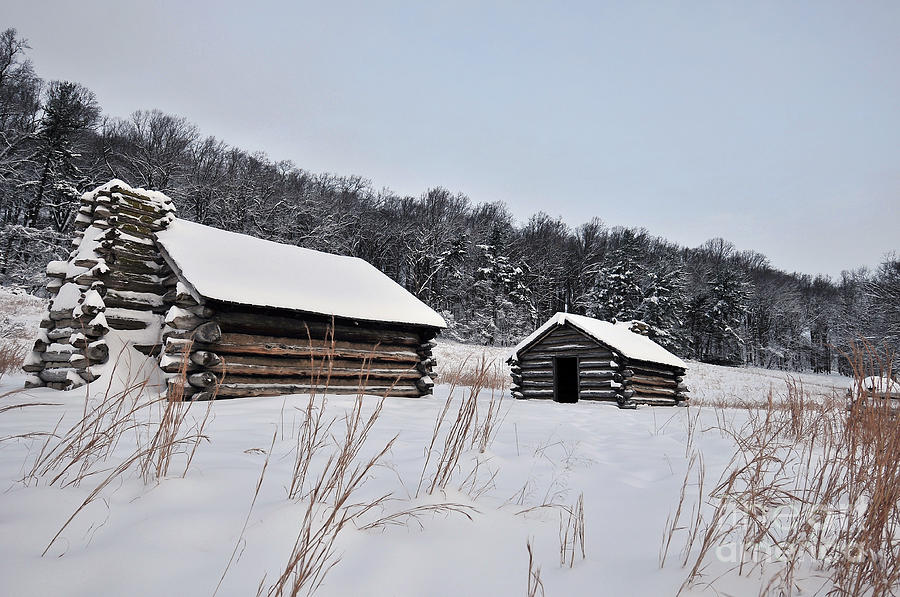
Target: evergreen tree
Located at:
point(663, 306)
point(499, 297)
point(617, 293)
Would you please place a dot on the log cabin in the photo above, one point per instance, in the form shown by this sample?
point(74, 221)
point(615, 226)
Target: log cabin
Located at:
point(227, 315)
point(573, 357)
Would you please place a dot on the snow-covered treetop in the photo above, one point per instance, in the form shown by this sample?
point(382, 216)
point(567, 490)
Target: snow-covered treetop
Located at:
point(242, 269)
point(617, 336)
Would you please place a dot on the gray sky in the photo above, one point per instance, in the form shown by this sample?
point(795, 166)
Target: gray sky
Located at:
point(774, 125)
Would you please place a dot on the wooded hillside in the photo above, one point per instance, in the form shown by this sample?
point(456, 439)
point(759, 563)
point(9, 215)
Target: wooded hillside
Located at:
point(494, 279)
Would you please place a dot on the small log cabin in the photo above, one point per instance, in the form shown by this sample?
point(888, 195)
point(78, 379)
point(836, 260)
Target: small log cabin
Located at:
point(228, 315)
point(573, 357)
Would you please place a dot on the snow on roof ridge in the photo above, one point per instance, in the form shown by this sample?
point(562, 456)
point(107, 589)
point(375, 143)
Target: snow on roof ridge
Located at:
point(616, 335)
point(238, 268)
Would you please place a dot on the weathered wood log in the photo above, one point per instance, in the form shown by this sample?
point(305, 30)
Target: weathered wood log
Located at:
point(654, 391)
point(643, 368)
point(654, 381)
point(598, 373)
point(201, 311)
point(655, 400)
point(540, 352)
point(317, 365)
point(229, 367)
point(207, 333)
point(182, 319)
point(581, 342)
point(205, 358)
point(291, 326)
point(203, 379)
point(598, 395)
point(599, 383)
point(229, 390)
point(364, 347)
point(320, 381)
point(305, 351)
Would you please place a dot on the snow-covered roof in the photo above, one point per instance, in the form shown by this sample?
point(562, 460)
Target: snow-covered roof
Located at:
point(615, 335)
point(237, 268)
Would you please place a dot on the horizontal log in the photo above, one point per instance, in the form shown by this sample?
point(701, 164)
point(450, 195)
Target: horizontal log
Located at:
point(229, 367)
point(231, 343)
point(314, 363)
point(537, 393)
point(257, 339)
point(551, 352)
point(599, 374)
point(655, 400)
point(652, 391)
point(536, 364)
point(349, 380)
point(642, 368)
point(654, 381)
point(229, 390)
point(598, 395)
point(537, 373)
point(262, 323)
point(599, 383)
point(555, 343)
point(537, 383)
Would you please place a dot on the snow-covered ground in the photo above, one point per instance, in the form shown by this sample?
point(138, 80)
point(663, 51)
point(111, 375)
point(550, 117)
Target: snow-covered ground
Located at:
point(177, 534)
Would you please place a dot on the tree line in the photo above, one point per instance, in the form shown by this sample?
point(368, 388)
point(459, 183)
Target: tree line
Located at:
point(494, 279)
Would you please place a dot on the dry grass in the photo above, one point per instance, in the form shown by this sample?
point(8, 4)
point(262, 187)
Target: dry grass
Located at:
point(329, 506)
point(468, 431)
point(813, 488)
point(535, 587)
point(12, 355)
point(160, 427)
point(484, 371)
point(571, 532)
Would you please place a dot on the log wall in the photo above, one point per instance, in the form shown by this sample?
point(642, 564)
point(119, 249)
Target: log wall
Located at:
point(213, 348)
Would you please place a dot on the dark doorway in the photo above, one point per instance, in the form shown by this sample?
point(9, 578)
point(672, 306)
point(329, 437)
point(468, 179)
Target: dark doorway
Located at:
point(565, 379)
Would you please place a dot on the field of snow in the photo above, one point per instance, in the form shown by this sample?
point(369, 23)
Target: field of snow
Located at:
point(142, 535)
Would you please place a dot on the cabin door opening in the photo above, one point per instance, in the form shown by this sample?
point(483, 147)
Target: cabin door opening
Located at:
point(565, 379)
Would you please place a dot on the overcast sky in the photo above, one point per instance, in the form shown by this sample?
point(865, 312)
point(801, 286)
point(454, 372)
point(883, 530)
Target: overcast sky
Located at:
point(774, 125)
